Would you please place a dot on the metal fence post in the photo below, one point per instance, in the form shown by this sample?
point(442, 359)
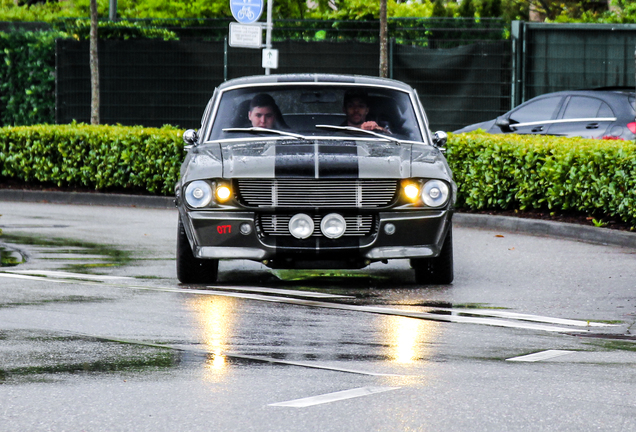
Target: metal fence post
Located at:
point(225, 59)
point(517, 36)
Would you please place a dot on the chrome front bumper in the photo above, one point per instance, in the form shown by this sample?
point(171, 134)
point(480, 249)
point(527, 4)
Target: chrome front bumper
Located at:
point(413, 234)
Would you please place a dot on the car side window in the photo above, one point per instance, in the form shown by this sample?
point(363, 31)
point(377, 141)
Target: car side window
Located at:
point(581, 107)
point(542, 109)
point(605, 111)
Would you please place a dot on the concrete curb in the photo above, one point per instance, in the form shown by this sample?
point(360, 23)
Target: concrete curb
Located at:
point(87, 198)
point(504, 223)
point(537, 227)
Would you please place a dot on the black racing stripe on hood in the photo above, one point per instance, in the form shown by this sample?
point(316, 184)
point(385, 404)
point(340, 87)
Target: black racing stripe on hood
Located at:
point(336, 161)
point(295, 160)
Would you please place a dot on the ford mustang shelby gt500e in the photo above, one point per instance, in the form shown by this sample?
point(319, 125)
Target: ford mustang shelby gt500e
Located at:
point(315, 171)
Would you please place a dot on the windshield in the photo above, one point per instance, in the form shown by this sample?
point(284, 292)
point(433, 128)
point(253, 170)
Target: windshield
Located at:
point(299, 109)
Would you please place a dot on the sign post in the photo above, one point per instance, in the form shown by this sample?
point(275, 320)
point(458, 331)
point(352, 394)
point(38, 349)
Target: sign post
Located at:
point(246, 11)
point(245, 35)
point(268, 39)
point(270, 59)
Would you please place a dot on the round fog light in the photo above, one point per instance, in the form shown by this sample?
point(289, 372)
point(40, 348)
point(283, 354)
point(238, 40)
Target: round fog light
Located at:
point(301, 226)
point(245, 229)
point(411, 191)
point(389, 229)
point(333, 226)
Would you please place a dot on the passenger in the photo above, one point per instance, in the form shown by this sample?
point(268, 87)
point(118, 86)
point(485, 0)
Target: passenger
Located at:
point(356, 108)
point(265, 113)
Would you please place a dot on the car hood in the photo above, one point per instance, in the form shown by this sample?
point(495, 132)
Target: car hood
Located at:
point(314, 159)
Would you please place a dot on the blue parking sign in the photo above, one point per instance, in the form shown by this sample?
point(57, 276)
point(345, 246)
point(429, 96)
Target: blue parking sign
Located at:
point(246, 11)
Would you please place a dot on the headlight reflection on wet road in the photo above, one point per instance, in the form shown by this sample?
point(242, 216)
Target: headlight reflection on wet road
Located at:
point(409, 339)
point(215, 317)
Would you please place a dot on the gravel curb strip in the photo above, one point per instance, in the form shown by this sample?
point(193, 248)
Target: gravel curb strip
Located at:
point(503, 223)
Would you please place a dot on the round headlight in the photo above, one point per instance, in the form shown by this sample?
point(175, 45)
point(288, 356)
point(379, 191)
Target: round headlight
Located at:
point(333, 226)
point(301, 226)
point(435, 193)
point(198, 194)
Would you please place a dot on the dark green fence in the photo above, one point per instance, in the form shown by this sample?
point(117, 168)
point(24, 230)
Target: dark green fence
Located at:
point(153, 82)
point(554, 57)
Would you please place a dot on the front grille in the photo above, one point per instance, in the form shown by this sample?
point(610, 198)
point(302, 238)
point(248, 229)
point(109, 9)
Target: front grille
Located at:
point(341, 193)
point(277, 225)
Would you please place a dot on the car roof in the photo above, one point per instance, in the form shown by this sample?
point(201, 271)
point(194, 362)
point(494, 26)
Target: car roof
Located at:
point(590, 92)
point(314, 78)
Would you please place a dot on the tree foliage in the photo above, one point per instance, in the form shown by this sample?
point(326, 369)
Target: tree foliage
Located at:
point(283, 9)
point(604, 11)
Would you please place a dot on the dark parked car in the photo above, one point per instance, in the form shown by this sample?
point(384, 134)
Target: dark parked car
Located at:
point(315, 171)
point(583, 113)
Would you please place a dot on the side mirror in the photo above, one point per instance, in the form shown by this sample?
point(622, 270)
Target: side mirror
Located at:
point(190, 137)
point(439, 140)
point(503, 123)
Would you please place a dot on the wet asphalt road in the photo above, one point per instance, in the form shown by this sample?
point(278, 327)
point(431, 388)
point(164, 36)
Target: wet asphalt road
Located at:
point(96, 334)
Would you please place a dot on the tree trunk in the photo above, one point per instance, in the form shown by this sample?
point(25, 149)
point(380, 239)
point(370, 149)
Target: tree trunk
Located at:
point(94, 66)
point(384, 52)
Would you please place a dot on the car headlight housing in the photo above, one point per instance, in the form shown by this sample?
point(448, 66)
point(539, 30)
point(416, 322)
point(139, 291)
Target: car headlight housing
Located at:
point(198, 194)
point(435, 193)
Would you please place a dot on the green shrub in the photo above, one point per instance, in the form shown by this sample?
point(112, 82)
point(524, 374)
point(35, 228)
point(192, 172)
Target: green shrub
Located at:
point(122, 30)
point(493, 172)
point(100, 157)
point(27, 77)
point(544, 172)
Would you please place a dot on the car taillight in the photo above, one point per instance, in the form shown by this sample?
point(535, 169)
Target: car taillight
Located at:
point(632, 127)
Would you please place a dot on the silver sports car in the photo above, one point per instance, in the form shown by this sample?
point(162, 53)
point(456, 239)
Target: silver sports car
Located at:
point(315, 171)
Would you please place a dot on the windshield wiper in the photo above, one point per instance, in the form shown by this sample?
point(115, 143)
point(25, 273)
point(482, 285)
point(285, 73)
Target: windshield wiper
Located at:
point(260, 129)
point(358, 130)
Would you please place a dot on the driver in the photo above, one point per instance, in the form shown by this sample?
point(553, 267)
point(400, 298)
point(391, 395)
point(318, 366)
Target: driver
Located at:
point(356, 108)
point(263, 111)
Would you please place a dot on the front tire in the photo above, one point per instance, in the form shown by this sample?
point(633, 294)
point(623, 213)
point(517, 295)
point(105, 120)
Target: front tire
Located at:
point(191, 270)
point(438, 270)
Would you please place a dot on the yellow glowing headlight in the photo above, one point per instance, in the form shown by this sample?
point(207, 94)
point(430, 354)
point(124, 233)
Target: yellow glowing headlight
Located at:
point(412, 191)
point(223, 193)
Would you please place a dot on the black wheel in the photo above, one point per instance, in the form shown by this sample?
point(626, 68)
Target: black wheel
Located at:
point(438, 270)
point(193, 270)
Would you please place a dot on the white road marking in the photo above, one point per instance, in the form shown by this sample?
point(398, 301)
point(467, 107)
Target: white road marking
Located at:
point(297, 293)
point(333, 397)
point(540, 356)
point(308, 365)
point(68, 275)
point(21, 276)
point(527, 317)
point(497, 322)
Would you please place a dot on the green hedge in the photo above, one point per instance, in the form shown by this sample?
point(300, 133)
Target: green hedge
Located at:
point(597, 177)
point(99, 157)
